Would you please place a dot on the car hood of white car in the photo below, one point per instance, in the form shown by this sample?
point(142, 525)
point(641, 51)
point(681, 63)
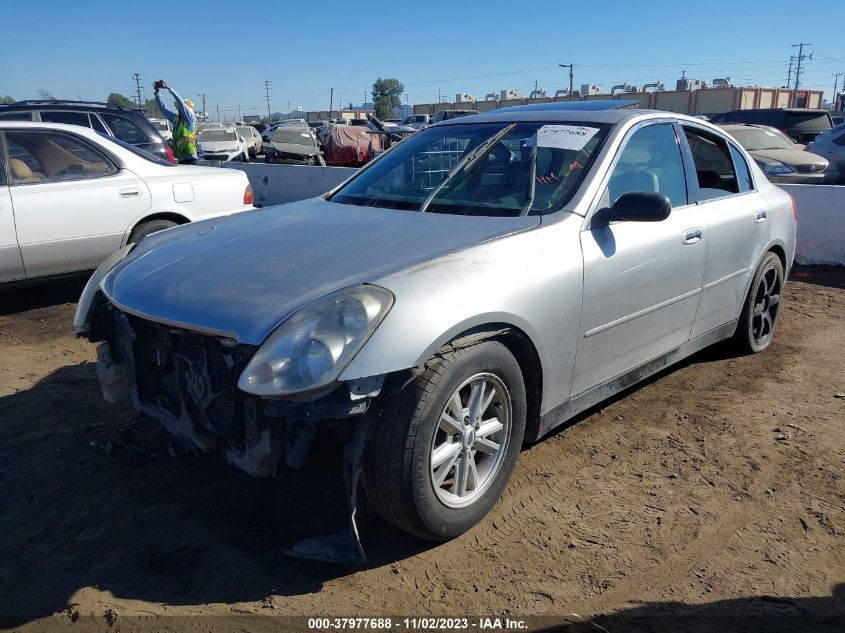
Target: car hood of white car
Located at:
point(242, 275)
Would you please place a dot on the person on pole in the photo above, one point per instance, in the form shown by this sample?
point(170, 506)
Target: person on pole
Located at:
point(184, 123)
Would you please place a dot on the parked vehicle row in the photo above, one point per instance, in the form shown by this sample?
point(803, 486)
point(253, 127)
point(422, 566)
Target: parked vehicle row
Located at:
point(70, 197)
point(413, 330)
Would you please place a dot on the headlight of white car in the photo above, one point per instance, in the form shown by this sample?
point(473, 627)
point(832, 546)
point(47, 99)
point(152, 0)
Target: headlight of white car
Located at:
point(311, 348)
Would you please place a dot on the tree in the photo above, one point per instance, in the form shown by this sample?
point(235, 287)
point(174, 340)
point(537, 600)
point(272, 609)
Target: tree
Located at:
point(7, 99)
point(118, 99)
point(45, 94)
point(386, 93)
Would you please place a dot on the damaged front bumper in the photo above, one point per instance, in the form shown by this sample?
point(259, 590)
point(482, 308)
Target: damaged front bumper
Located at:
point(188, 381)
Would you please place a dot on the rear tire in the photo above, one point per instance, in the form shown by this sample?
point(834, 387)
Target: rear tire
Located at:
point(756, 327)
point(420, 433)
point(146, 228)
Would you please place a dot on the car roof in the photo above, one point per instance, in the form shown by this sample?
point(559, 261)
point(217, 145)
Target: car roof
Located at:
point(532, 114)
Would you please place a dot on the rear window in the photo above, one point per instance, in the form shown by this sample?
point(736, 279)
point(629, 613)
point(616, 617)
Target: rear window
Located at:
point(141, 153)
point(808, 121)
point(124, 129)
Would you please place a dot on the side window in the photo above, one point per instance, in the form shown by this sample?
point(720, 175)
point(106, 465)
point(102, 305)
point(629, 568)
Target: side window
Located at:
point(713, 165)
point(71, 118)
point(16, 116)
point(97, 124)
point(36, 157)
point(743, 174)
point(650, 161)
point(124, 129)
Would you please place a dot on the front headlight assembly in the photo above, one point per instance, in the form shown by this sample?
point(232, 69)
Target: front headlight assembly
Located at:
point(314, 345)
point(777, 168)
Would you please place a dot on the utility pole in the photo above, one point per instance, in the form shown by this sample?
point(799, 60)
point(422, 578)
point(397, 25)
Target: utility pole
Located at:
point(137, 79)
point(570, 66)
point(331, 102)
point(267, 95)
point(835, 85)
point(801, 57)
point(202, 96)
point(789, 74)
point(218, 113)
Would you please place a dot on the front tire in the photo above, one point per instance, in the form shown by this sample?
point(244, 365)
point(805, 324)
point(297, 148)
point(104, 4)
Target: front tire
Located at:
point(146, 228)
point(756, 327)
point(446, 445)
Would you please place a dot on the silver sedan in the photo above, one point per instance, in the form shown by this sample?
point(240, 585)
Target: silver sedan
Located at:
point(476, 286)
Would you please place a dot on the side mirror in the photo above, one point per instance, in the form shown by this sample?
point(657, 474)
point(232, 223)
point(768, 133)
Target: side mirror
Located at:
point(641, 206)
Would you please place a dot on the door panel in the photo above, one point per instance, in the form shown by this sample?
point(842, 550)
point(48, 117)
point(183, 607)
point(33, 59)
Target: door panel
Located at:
point(75, 225)
point(642, 280)
point(737, 225)
point(641, 289)
point(735, 239)
point(11, 264)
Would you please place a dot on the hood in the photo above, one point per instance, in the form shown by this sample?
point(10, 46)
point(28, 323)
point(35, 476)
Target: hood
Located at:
point(241, 275)
point(217, 146)
point(791, 157)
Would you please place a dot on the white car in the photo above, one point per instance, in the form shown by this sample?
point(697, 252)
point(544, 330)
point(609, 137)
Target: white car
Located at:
point(223, 144)
point(70, 197)
point(252, 138)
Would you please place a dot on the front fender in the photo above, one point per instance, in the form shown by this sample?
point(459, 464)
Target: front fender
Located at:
point(531, 281)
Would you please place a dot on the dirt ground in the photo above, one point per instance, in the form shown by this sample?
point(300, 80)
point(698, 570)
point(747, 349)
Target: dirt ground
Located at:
point(711, 498)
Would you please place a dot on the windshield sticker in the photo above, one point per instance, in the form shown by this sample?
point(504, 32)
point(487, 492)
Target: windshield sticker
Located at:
point(565, 136)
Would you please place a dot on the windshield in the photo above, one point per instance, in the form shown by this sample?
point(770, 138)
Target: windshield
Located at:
point(160, 125)
point(754, 139)
point(292, 137)
point(490, 169)
point(210, 136)
point(141, 153)
point(246, 132)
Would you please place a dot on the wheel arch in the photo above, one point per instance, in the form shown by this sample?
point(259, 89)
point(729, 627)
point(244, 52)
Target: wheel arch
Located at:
point(162, 215)
point(778, 248)
point(518, 343)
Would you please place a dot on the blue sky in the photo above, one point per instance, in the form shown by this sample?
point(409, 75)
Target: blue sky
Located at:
point(226, 50)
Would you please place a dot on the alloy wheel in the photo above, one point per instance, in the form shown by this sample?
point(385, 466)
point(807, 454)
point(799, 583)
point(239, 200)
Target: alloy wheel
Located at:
point(766, 304)
point(471, 440)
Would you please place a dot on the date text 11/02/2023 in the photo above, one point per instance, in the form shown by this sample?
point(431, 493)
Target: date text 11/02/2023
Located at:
point(418, 624)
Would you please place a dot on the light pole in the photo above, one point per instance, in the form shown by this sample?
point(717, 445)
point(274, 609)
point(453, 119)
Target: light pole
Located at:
point(571, 67)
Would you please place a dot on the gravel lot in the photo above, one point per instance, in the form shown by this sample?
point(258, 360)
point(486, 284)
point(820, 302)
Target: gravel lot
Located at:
point(709, 499)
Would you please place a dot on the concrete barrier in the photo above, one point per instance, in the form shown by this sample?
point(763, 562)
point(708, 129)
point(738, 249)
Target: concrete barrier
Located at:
point(821, 223)
point(278, 184)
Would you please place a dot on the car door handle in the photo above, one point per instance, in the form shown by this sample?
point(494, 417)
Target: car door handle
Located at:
point(130, 193)
point(761, 216)
point(693, 236)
